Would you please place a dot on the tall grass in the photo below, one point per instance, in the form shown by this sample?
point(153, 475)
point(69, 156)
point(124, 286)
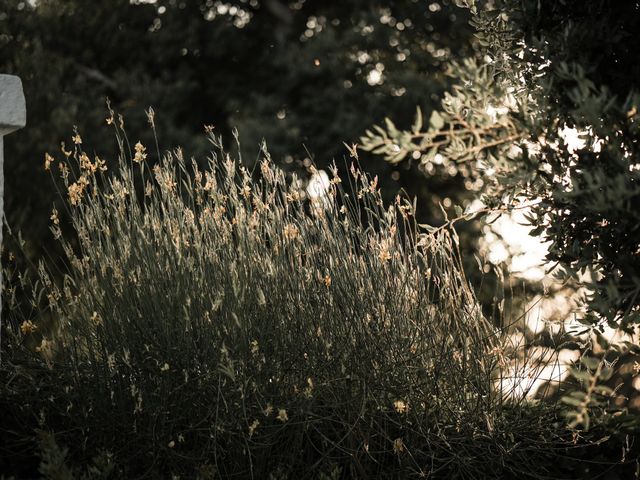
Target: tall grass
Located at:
point(216, 323)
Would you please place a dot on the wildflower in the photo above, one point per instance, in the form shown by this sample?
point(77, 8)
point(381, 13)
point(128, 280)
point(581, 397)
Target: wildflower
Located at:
point(282, 415)
point(76, 190)
point(77, 139)
point(140, 154)
point(398, 446)
point(290, 231)
point(46, 346)
point(151, 116)
point(400, 406)
point(353, 150)
point(28, 327)
point(95, 318)
point(308, 391)
point(189, 217)
point(268, 410)
point(327, 281)
point(54, 217)
point(252, 427)
point(266, 170)
point(100, 164)
point(85, 163)
point(384, 254)
point(293, 196)
point(47, 161)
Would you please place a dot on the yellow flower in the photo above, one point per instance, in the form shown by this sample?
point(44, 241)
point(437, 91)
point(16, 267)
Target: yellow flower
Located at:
point(54, 217)
point(77, 139)
point(28, 327)
point(252, 427)
point(140, 154)
point(327, 281)
point(282, 415)
point(76, 190)
point(293, 196)
point(85, 163)
point(384, 255)
point(100, 164)
point(290, 231)
point(400, 406)
point(47, 161)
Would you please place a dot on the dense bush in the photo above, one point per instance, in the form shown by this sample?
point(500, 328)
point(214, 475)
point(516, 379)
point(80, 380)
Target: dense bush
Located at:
point(218, 323)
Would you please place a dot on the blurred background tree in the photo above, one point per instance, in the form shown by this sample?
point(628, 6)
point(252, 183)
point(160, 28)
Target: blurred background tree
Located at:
point(305, 75)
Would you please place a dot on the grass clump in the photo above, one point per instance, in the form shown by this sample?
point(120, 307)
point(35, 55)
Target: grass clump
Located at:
point(217, 323)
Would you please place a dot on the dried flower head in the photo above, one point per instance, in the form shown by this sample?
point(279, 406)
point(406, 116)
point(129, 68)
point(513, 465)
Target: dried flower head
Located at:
point(400, 406)
point(28, 327)
point(54, 216)
point(140, 154)
point(47, 161)
point(384, 254)
point(290, 232)
point(282, 415)
point(253, 426)
point(151, 115)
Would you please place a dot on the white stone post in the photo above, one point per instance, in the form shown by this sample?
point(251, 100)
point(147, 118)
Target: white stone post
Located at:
point(13, 116)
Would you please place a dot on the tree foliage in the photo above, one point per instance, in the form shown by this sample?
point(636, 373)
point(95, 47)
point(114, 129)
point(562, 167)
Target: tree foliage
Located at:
point(549, 70)
point(547, 113)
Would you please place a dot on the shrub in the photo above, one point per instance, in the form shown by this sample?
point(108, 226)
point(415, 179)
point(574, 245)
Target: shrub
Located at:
point(217, 323)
